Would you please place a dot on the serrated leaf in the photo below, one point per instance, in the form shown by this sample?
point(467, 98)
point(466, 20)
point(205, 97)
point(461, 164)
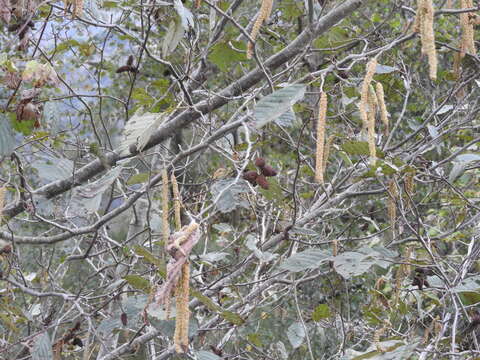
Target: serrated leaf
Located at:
point(138, 130)
point(349, 264)
point(359, 148)
point(230, 316)
point(138, 282)
point(444, 109)
point(227, 194)
point(138, 178)
point(185, 15)
point(457, 170)
point(173, 36)
point(51, 168)
point(322, 311)
point(254, 338)
point(214, 257)
point(308, 259)
point(468, 157)
point(277, 103)
point(296, 334)
point(471, 284)
point(206, 355)
point(89, 196)
point(7, 137)
point(384, 69)
point(42, 348)
point(148, 256)
point(227, 54)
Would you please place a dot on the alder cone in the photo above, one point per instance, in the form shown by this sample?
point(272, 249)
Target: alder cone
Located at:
point(251, 177)
point(267, 170)
point(124, 319)
point(262, 181)
point(260, 162)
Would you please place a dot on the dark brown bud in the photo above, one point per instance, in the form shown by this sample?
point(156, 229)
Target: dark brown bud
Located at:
point(7, 249)
point(250, 176)
point(267, 170)
point(262, 181)
point(77, 341)
point(124, 319)
point(130, 60)
point(420, 282)
point(126, 68)
point(260, 162)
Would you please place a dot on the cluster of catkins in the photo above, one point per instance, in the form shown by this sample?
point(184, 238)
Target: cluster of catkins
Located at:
point(255, 178)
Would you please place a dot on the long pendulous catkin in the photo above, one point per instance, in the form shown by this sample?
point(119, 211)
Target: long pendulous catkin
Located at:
point(321, 121)
point(372, 105)
point(370, 71)
point(428, 38)
point(2, 200)
point(467, 42)
point(263, 14)
point(182, 312)
point(165, 224)
point(176, 202)
point(382, 107)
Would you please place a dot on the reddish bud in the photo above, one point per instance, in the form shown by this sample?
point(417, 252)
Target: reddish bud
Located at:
point(7, 249)
point(267, 170)
point(262, 181)
point(260, 162)
point(251, 177)
point(123, 317)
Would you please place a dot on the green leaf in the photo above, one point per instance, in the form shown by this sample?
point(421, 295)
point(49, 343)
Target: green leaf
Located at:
point(7, 137)
point(227, 194)
point(277, 103)
point(148, 256)
point(138, 282)
point(173, 36)
point(308, 259)
point(296, 334)
point(232, 317)
point(138, 178)
point(322, 311)
point(359, 148)
point(254, 338)
point(42, 347)
point(206, 355)
point(226, 54)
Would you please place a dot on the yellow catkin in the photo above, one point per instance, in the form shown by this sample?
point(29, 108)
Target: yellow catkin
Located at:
point(2, 200)
point(183, 313)
point(417, 26)
point(263, 14)
point(335, 247)
point(382, 107)
point(77, 8)
point(449, 4)
point(376, 339)
point(428, 39)
point(326, 152)
point(392, 206)
point(198, 3)
point(467, 42)
point(409, 186)
point(176, 202)
point(321, 121)
point(165, 225)
point(372, 105)
point(370, 71)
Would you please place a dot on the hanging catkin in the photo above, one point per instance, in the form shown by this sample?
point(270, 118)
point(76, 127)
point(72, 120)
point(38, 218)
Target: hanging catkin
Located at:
point(165, 225)
point(2, 201)
point(77, 8)
point(428, 37)
point(370, 71)
point(263, 14)
point(176, 202)
point(182, 317)
point(382, 107)
point(321, 121)
point(372, 106)
point(392, 204)
point(467, 42)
